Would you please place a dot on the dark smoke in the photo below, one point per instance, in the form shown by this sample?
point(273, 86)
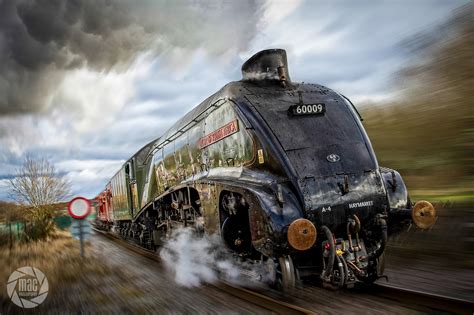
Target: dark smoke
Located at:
point(40, 40)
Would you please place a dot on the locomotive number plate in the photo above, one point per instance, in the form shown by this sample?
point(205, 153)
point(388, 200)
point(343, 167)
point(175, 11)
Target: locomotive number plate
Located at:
point(307, 109)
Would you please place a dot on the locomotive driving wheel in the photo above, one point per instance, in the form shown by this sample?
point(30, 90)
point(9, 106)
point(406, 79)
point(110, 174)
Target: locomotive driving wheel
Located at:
point(286, 274)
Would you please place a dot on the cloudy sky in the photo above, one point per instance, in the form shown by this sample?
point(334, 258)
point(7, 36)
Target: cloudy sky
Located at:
point(86, 83)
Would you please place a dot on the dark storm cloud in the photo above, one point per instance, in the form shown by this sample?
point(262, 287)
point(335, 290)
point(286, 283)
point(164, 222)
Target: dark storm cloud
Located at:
point(40, 40)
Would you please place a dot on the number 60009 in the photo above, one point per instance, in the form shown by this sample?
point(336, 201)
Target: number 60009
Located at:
point(307, 109)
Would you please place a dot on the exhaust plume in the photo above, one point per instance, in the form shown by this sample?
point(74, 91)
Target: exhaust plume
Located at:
point(195, 260)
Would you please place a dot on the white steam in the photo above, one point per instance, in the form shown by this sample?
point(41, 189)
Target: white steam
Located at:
point(195, 260)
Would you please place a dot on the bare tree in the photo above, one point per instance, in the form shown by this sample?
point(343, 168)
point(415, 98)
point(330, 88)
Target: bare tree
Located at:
point(37, 183)
point(38, 186)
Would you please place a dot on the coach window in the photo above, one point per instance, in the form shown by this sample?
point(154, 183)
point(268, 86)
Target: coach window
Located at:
point(159, 170)
point(129, 171)
point(182, 156)
point(196, 159)
point(132, 169)
point(170, 163)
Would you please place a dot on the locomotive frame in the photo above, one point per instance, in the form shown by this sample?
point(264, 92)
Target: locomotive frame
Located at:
point(283, 171)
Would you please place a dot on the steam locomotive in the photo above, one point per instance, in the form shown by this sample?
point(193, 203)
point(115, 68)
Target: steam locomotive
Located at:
point(284, 172)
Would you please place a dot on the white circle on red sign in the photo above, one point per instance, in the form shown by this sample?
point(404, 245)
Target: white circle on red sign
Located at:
point(79, 208)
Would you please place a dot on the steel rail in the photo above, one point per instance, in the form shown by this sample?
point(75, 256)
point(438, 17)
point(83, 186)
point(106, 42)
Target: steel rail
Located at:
point(425, 299)
point(395, 293)
point(258, 299)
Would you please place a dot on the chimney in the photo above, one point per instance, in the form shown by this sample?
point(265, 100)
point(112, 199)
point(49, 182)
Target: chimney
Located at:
point(267, 65)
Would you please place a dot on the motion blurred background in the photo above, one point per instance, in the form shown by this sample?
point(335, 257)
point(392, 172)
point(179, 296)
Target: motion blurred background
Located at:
point(427, 131)
point(85, 84)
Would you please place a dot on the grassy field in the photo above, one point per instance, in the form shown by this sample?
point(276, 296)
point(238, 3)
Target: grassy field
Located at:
point(74, 283)
point(58, 258)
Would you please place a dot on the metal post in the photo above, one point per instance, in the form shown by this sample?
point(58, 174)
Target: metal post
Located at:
point(81, 238)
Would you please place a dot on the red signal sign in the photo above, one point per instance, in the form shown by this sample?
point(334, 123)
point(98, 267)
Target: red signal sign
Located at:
point(79, 208)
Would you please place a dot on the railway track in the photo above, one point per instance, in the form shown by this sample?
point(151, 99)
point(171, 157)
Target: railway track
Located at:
point(422, 301)
point(263, 301)
point(415, 297)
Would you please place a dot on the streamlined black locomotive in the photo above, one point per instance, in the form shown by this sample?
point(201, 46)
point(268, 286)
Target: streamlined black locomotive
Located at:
point(283, 171)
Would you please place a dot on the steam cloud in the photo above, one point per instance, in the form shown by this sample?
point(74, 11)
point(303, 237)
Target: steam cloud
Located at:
point(41, 40)
point(194, 260)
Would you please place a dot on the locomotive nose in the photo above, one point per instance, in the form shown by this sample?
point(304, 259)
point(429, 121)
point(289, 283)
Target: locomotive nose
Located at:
point(424, 214)
point(301, 234)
